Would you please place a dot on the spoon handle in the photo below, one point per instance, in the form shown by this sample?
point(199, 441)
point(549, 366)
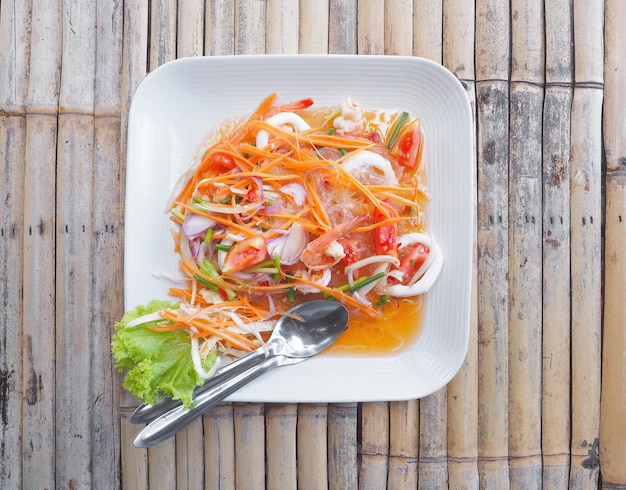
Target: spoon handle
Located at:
point(176, 419)
point(146, 413)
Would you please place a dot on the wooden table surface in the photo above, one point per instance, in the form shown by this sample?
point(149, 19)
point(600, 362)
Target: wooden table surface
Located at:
point(541, 397)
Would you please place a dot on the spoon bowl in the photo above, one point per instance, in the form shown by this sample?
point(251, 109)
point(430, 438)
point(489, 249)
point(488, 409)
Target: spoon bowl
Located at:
point(309, 328)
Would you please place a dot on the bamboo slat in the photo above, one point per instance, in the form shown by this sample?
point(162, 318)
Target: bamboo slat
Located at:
point(190, 28)
point(398, 15)
point(313, 23)
point(74, 231)
point(249, 27)
point(134, 69)
point(492, 40)
point(282, 19)
point(403, 444)
point(342, 446)
point(45, 61)
point(612, 425)
point(427, 29)
point(525, 243)
point(462, 403)
point(15, 24)
point(249, 445)
point(371, 22)
point(556, 290)
point(74, 234)
point(38, 320)
point(190, 456)
point(162, 32)
point(527, 46)
point(162, 463)
point(462, 390)
point(588, 20)
point(342, 31)
point(12, 140)
point(458, 35)
point(558, 39)
point(433, 441)
point(280, 441)
point(78, 59)
point(108, 243)
point(108, 70)
point(42, 84)
point(613, 400)
point(556, 373)
point(585, 224)
point(219, 36)
point(134, 466)
point(374, 445)
point(219, 448)
point(311, 445)
point(492, 95)
point(525, 246)
point(492, 101)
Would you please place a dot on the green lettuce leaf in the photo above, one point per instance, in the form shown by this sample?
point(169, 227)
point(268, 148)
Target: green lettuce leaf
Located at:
point(157, 365)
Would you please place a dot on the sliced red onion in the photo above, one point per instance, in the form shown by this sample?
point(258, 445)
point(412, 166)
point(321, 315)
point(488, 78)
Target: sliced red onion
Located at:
point(273, 209)
point(272, 308)
point(289, 246)
point(185, 251)
point(194, 224)
point(194, 246)
point(276, 245)
point(296, 191)
point(360, 297)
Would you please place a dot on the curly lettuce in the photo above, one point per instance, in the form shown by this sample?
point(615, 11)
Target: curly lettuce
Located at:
point(157, 364)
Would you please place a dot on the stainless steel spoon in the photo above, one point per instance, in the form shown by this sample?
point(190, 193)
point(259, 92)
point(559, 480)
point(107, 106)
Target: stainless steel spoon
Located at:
point(292, 341)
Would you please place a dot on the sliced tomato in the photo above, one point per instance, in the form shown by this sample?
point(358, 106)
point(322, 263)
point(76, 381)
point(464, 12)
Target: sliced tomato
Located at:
point(349, 251)
point(385, 236)
point(405, 148)
point(246, 253)
point(411, 259)
point(223, 160)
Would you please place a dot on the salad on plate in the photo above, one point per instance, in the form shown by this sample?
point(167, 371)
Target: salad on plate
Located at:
point(291, 204)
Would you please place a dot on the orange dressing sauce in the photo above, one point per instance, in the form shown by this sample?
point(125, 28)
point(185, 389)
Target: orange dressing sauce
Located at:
point(399, 326)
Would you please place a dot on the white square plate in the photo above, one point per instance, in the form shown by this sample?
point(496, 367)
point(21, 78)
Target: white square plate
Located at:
point(173, 111)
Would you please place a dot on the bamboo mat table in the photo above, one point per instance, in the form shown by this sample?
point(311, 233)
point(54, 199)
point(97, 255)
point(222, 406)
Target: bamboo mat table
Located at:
point(541, 397)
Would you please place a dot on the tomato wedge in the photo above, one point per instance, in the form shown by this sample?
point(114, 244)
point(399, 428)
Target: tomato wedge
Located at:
point(405, 148)
point(246, 253)
point(385, 236)
point(411, 259)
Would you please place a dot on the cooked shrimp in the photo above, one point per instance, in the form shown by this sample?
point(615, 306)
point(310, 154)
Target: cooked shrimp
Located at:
point(351, 122)
point(325, 251)
point(294, 106)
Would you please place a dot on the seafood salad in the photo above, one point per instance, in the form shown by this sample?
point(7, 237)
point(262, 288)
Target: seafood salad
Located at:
point(291, 204)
